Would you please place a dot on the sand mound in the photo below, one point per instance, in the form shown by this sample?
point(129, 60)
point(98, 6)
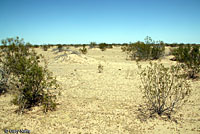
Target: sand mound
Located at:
point(74, 57)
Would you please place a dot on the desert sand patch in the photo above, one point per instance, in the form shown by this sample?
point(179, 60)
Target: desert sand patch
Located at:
point(93, 102)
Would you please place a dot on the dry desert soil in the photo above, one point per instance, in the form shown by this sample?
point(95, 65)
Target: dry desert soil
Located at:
point(99, 103)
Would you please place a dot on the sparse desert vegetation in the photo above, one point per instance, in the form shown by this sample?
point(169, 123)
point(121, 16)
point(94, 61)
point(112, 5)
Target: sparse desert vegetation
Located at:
point(83, 50)
point(189, 55)
point(148, 50)
point(165, 89)
point(100, 66)
point(101, 92)
point(30, 83)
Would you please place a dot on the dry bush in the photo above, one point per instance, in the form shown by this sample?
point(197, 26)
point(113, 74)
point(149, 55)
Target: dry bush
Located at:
point(45, 47)
point(164, 89)
point(60, 48)
point(83, 50)
point(36, 46)
point(93, 45)
point(100, 68)
point(103, 46)
point(3, 81)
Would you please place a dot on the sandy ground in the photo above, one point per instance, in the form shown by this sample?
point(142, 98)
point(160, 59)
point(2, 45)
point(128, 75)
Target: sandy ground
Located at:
point(99, 103)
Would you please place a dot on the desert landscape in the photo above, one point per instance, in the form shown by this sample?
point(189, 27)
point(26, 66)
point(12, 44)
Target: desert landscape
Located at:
point(93, 102)
point(100, 66)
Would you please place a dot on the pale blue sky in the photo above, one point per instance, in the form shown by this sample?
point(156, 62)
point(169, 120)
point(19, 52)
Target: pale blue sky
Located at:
point(110, 21)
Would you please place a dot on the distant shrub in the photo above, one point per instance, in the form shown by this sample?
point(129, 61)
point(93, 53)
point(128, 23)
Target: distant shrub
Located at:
point(110, 46)
point(3, 81)
point(117, 45)
point(50, 45)
point(124, 48)
point(45, 47)
point(76, 45)
point(67, 47)
point(83, 50)
point(172, 44)
point(190, 56)
point(36, 46)
point(32, 82)
point(29, 45)
point(182, 53)
point(145, 51)
point(157, 50)
point(141, 51)
point(93, 44)
point(60, 48)
point(100, 68)
point(164, 89)
point(103, 46)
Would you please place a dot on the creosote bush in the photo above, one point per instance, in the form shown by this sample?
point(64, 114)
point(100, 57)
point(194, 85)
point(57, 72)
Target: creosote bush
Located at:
point(164, 89)
point(100, 68)
point(45, 47)
point(190, 57)
point(93, 44)
point(36, 46)
point(60, 48)
point(145, 50)
point(157, 50)
point(33, 84)
point(83, 50)
point(3, 82)
point(103, 46)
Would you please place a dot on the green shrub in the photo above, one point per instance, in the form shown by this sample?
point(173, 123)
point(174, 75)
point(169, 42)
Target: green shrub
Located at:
point(32, 82)
point(103, 46)
point(45, 47)
point(93, 44)
point(157, 50)
point(36, 46)
point(181, 53)
point(3, 81)
point(100, 68)
point(174, 44)
point(77, 45)
point(145, 51)
point(124, 48)
point(164, 89)
point(141, 51)
point(83, 50)
point(190, 56)
point(60, 48)
point(110, 46)
point(138, 51)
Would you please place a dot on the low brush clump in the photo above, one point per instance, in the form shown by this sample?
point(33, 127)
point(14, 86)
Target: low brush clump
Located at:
point(31, 83)
point(93, 45)
point(190, 56)
point(165, 89)
point(60, 48)
point(36, 46)
point(100, 68)
point(3, 82)
point(144, 51)
point(45, 47)
point(104, 46)
point(83, 50)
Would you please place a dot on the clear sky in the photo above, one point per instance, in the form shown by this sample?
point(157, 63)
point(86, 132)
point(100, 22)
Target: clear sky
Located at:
point(110, 21)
